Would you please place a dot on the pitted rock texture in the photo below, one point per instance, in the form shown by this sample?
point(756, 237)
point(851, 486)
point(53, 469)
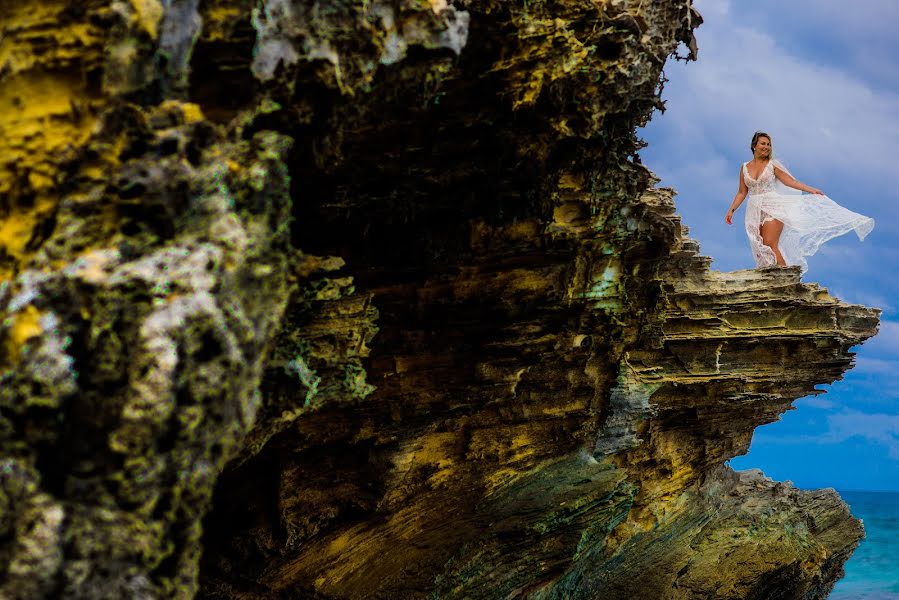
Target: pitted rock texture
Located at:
point(134, 346)
point(351, 300)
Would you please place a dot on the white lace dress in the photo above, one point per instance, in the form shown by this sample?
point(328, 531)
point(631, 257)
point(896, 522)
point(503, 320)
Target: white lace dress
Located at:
point(809, 219)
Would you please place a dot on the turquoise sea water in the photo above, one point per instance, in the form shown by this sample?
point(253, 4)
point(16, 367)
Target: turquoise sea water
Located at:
point(873, 571)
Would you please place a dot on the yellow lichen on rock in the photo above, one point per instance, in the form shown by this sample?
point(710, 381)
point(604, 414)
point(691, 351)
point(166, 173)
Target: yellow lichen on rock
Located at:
point(218, 20)
point(192, 112)
point(24, 28)
point(18, 228)
point(42, 114)
point(541, 41)
point(432, 453)
point(148, 14)
point(46, 112)
point(189, 112)
point(25, 325)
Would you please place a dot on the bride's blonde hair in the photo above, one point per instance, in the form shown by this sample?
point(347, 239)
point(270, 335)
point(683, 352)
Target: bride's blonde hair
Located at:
point(755, 140)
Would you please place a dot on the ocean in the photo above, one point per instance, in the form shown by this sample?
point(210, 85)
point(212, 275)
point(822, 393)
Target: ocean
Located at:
point(873, 571)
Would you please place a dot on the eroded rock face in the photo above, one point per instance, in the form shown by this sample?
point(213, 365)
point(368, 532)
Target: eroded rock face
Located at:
point(134, 346)
point(390, 278)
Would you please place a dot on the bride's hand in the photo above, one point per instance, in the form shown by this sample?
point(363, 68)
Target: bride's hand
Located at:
point(728, 218)
point(815, 191)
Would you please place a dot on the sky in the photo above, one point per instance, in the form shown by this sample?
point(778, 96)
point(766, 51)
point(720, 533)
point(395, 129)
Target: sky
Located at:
point(822, 77)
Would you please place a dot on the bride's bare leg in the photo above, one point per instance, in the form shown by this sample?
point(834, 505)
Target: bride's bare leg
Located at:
point(770, 232)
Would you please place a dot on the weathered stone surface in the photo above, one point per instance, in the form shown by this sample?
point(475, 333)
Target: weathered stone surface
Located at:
point(134, 347)
point(390, 277)
point(741, 536)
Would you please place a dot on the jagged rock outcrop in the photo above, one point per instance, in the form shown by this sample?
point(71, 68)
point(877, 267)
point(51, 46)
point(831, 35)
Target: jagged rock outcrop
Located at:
point(381, 294)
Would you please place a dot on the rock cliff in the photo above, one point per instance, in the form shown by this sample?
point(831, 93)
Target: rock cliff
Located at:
point(345, 300)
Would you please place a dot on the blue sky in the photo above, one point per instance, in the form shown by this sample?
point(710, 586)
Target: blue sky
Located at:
point(822, 77)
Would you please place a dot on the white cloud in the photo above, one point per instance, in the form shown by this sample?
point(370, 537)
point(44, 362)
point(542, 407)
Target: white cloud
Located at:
point(855, 295)
point(836, 129)
point(745, 81)
point(815, 402)
point(880, 428)
point(885, 343)
point(863, 21)
point(717, 8)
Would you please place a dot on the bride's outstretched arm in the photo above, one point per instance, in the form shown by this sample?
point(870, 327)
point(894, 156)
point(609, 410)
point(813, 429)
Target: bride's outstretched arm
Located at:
point(790, 181)
point(738, 199)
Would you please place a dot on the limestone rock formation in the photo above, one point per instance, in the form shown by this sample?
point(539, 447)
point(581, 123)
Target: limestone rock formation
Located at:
point(308, 299)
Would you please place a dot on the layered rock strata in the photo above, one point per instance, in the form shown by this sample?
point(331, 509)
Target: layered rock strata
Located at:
point(389, 281)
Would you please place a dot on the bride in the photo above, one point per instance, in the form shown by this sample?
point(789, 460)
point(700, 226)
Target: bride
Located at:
point(784, 226)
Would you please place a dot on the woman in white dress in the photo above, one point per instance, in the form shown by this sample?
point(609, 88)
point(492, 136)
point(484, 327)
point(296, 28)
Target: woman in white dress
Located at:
point(785, 226)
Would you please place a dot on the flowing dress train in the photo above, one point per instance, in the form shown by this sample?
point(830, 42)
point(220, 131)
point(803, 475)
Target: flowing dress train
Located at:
point(809, 220)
